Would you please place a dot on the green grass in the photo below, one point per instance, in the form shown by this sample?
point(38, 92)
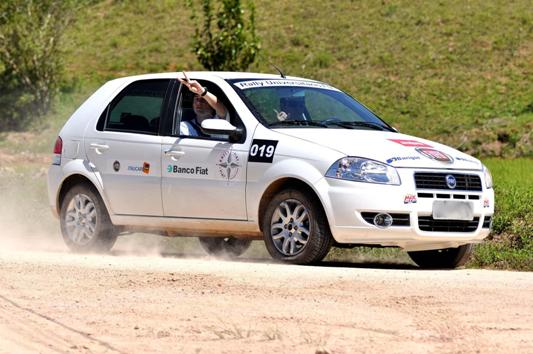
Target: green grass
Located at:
point(510, 244)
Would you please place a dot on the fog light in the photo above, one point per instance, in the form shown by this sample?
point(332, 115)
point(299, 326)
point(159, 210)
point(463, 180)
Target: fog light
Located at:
point(383, 220)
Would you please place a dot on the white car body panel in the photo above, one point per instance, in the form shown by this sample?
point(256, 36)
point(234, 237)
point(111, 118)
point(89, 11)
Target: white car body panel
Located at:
point(133, 152)
point(225, 201)
point(207, 181)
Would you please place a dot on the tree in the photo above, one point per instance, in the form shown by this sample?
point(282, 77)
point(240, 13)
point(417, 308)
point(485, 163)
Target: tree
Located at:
point(229, 45)
point(30, 57)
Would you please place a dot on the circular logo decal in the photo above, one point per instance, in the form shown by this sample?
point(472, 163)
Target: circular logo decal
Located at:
point(116, 166)
point(228, 165)
point(451, 182)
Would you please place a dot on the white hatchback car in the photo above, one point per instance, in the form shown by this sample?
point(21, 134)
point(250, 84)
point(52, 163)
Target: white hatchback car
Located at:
point(297, 163)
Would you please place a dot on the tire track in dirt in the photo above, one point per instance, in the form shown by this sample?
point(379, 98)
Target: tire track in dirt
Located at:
point(29, 330)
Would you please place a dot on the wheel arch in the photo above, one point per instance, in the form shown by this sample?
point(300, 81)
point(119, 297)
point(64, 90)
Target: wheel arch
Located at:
point(286, 183)
point(71, 181)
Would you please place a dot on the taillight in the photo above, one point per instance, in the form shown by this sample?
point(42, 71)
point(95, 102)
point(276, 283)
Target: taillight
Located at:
point(58, 147)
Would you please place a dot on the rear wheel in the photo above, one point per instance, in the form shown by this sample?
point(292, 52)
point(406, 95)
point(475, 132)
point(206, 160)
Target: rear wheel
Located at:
point(444, 258)
point(85, 223)
point(295, 228)
point(221, 246)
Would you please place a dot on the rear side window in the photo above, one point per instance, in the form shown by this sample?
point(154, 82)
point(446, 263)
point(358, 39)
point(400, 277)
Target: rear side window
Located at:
point(138, 108)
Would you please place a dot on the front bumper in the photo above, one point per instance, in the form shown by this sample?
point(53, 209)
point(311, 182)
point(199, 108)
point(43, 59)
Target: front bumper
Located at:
point(345, 201)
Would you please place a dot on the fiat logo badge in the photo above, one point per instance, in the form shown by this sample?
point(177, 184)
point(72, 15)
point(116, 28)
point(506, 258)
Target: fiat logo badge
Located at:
point(451, 182)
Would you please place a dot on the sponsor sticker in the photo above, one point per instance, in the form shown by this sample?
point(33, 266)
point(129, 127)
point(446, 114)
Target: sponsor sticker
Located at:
point(402, 158)
point(435, 155)
point(262, 150)
point(409, 199)
point(197, 170)
point(486, 203)
point(410, 143)
point(228, 165)
point(116, 166)
point(243, 85)
point(146, 168)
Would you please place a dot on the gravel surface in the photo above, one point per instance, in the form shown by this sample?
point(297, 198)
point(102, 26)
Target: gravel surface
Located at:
point(61, 302)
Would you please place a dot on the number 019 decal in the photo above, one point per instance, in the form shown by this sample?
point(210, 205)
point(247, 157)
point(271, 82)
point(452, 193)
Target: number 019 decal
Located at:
point(262, 150)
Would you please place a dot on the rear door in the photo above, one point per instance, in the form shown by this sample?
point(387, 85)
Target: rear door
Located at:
point(125, 148)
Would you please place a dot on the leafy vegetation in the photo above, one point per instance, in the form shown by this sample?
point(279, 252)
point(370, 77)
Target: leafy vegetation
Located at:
point(232, 44)
point(30, 57)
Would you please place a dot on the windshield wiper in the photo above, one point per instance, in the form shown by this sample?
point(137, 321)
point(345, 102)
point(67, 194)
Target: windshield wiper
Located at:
point(353, 125)
point(297, 122)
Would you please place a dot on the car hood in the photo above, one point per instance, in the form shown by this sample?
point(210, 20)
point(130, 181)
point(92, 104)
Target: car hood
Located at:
point(395, 149)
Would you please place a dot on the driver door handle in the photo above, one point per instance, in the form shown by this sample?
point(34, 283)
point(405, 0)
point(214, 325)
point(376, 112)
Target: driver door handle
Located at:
point(174, 154)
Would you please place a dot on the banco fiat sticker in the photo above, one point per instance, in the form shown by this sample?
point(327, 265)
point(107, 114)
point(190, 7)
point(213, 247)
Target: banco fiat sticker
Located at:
point(197, 170)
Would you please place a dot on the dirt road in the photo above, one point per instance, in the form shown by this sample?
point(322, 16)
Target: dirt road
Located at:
point(59, 302)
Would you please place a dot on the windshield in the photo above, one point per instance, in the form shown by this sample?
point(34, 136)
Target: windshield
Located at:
point(308, 104)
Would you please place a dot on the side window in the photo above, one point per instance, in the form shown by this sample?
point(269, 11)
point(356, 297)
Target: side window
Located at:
point(188, 114)
point(138, 108)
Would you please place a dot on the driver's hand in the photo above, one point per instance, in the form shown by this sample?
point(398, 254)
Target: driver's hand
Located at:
point(281, 115)
point(193, 86)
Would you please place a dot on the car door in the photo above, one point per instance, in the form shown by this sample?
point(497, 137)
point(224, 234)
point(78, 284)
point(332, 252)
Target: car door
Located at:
point(125, 149)
point(203, 177)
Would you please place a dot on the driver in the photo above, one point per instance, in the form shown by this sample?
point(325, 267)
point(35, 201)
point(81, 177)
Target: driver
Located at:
point(205, 105)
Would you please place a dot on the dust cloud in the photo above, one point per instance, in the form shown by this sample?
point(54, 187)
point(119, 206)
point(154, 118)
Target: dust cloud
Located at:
point(27, 223)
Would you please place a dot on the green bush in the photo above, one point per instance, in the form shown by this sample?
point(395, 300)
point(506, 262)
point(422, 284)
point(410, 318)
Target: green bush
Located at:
point(232, 44)
point(30, 57)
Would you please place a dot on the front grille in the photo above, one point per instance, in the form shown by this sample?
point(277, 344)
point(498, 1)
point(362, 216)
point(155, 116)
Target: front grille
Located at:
point(427, 180)
point(427, 223)
point(397, 219)
point(486, 222)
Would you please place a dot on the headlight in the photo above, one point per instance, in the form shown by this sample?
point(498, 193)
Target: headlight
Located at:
point(488, 177)
point(363, 170)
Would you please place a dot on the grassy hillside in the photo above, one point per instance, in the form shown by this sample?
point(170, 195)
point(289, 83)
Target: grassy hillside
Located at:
point(455, 71)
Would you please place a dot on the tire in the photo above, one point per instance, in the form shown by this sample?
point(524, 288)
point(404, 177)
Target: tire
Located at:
point(447, 258)
point(85, 222)
point(295, 228)
point(220, 246)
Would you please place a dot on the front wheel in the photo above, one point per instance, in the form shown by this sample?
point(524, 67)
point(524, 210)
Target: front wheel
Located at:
point(447, 258)
point(220, 246)
point(85, 223)
point(295, 228)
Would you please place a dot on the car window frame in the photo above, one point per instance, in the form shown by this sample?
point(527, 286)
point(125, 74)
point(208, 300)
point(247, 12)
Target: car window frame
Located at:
point(103, 119)
point(176, 100)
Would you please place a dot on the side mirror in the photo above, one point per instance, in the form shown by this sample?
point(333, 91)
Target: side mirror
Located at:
point(221, 127)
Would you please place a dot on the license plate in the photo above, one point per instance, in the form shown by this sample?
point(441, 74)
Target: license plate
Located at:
point(453, 210)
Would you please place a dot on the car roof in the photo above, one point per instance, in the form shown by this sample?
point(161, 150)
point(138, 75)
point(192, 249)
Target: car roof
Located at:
point(206, 75)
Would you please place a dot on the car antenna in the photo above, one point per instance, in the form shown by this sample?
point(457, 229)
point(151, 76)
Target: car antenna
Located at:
point(279, 70)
